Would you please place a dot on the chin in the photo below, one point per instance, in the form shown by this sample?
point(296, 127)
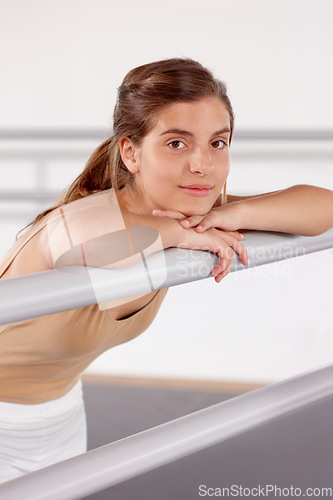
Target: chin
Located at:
point(196, 211)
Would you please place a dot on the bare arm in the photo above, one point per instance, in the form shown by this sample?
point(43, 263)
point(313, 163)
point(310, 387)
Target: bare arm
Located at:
point(301, 209)
point(232, 198)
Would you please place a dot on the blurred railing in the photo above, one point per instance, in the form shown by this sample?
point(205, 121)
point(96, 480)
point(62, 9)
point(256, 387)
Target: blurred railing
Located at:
point(38, 165)
point(40, 148)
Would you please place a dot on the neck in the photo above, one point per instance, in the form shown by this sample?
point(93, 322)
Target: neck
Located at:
point(129, 199)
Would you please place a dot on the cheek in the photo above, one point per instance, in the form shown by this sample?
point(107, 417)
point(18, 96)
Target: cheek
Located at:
point(227, 169)
point(224, 168)
point(160, 170)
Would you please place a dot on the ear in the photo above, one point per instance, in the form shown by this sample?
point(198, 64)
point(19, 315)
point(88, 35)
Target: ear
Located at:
point(129, 155)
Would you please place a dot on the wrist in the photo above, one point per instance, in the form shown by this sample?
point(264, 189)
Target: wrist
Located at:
point(243, 215)
point(169, 229)
point(240, 214)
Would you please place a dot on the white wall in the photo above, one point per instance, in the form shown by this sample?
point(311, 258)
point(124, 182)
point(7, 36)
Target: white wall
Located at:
point(61, 63)
point(260, 325)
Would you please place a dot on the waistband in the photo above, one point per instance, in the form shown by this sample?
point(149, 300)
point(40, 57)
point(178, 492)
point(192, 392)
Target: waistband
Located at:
point(49, 408)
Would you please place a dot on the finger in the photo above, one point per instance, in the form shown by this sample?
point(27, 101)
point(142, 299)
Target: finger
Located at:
point(225, 269)
point(172, 214)
point(192, 221)
point(220, 268)
point(237, 246)
point(224, 262)
point(241, 251)
point(236, 234)
point(223, 274)
point(217, 270)
point(226, 255)
point(205, 223)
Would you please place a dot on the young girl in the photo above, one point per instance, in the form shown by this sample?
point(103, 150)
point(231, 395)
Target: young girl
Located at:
point(165, 166)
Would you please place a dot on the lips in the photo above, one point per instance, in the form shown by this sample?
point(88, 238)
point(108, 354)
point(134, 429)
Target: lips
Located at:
point(198, 190)
point(198, 186)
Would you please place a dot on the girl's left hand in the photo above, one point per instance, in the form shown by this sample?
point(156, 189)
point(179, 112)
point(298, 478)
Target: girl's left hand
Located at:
point(226, 218)
point(200, 223)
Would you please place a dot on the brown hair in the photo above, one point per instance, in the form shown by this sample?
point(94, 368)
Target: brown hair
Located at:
point(144, 92)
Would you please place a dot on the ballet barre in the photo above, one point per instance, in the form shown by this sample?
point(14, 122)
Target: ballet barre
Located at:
point(72, 287)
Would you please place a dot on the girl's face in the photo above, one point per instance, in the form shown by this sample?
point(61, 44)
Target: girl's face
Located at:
point(183, 162)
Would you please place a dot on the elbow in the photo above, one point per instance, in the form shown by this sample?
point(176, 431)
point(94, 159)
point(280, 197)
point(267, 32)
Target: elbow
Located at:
point(314, 233)
point(317, 230)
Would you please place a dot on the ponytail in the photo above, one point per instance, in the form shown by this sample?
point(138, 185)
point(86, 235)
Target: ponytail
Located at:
point(103, 170)
point(96, 175)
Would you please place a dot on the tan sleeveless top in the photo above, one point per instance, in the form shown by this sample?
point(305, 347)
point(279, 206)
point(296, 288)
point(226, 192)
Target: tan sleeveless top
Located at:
point(41, 359)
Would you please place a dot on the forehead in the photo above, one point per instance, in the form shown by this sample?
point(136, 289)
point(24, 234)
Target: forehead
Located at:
point(207, 114)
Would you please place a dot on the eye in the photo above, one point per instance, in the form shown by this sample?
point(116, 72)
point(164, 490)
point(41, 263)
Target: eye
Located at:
point(176, 145)
point(219, 144)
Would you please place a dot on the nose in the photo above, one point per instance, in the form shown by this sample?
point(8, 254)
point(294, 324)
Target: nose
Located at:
point(201, 162)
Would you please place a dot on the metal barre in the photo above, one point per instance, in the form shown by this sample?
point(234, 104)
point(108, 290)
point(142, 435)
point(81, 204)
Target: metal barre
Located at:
point(68, 288)
point(127, 458)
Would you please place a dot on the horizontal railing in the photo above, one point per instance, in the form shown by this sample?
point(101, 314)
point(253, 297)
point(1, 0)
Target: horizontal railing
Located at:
point(48, 292)
point(318, 134)
point(40, 147)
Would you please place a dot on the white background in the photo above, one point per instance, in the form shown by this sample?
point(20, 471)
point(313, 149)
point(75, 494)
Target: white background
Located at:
point(61, 62)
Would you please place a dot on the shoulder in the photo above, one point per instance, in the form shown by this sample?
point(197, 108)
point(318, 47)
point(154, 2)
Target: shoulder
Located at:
point(231, 198)
point(75, 231)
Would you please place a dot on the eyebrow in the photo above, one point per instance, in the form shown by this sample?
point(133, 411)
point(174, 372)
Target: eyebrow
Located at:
point(186, 132)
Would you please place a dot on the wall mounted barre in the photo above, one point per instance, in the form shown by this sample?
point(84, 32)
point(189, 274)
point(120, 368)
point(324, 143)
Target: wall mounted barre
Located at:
point(114, 463)
point(62, 289)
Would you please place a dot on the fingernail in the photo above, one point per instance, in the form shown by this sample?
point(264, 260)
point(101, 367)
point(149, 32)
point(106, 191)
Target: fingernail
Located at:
point(200, 228)
point(186, 222)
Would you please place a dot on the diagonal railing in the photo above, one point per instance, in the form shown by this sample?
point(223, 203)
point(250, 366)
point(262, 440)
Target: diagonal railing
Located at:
point(114, 463)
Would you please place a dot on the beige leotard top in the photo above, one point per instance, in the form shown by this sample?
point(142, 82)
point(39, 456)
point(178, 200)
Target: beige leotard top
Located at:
point(41, 359)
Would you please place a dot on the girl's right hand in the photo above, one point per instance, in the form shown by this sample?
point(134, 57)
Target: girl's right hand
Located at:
point(214, 240)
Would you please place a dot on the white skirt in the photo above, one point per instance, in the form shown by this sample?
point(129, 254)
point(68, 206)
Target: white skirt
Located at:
point(35, 436)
